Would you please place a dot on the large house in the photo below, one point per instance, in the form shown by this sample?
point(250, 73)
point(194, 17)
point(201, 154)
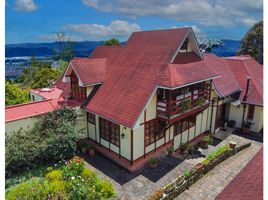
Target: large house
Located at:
point(156, 90)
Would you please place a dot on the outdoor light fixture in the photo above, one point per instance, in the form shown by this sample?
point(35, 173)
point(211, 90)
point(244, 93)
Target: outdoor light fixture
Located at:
point(123, 134)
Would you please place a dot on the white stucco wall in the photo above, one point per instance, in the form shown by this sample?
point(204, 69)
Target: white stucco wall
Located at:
point(24, 124)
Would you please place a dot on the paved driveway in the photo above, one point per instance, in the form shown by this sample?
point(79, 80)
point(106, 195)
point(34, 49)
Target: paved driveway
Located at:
point(140, 185)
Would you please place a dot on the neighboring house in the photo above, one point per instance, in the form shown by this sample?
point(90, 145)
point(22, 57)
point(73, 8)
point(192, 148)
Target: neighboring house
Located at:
point(159, 90)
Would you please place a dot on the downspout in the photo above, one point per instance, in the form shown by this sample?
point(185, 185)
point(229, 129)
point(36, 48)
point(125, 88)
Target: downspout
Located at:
point(245, 99)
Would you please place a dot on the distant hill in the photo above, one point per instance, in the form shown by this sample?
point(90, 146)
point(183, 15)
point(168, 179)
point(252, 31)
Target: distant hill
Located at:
point(46, 49)
point(229, 48)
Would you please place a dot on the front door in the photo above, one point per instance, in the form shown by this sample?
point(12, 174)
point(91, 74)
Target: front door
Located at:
point(222, 115)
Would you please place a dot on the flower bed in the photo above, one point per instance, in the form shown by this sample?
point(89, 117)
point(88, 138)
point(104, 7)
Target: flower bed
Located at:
point(192, 175)
point(71, 181)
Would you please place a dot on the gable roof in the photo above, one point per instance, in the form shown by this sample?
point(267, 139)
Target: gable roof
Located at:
point(89, 71)
point(132, 73)
point(243, 67)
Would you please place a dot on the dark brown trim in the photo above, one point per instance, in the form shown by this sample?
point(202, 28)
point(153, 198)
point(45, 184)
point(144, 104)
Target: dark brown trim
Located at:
point(144, 124)
point(131, 156)
point(216, 116)
point(87, 126)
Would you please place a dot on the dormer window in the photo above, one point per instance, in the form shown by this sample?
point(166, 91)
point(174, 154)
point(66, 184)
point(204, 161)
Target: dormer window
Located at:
point(77, 91)
point(184, 47)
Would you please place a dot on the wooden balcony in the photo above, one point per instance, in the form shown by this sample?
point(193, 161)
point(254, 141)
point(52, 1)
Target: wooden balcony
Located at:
point(169, 109)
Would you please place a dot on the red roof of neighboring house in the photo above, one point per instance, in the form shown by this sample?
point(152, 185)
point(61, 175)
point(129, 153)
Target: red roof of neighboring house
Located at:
point(22, 111)
point(187, 72)
point(48, 93)
point(132, 73)
point(243, 67)
point(248, 184)
point(226, 84)
point(89, 71)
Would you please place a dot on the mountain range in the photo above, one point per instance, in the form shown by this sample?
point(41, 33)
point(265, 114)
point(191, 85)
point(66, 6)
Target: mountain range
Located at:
point(228, 48)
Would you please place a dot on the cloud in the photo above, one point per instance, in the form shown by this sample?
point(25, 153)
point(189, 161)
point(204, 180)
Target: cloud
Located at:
point(64, 37)
point(117, 28)
point(25, 5)
point(224, 13)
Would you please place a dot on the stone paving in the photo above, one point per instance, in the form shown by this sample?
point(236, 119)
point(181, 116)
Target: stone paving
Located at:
point(140, 185)
point(211, 185)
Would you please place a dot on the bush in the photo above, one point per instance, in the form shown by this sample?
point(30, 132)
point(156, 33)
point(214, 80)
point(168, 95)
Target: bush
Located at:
point(54, 175)
point(152, 160)
point(183, 147)
point(52, 139)
point(216, 154)
point(75, 183)
point(206, 139)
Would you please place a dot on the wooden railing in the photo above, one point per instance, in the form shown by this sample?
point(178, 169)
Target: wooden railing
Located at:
point(168, 108)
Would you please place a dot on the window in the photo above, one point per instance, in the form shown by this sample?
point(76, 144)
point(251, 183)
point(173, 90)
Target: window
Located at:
point(184, 46)
point(33, 97)
point(91, 118)
point(110, 131)
point(154, 130)
point(78, 92)
point(251, 109)
point(184, 125)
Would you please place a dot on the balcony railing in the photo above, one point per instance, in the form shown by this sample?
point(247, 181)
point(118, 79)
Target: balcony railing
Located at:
point(170, 109)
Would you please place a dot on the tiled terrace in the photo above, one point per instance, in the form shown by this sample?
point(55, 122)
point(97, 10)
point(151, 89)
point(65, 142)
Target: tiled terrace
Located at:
point(141, 184)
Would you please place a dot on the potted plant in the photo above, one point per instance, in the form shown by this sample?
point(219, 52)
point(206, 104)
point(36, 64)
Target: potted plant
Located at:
point(186, 174)
point(152, 162)
point(183, 148)
point(179, 180)
point(170, 150)
point(84, 147)
point(186, 105)
point(199, 167)
point(169, 188)
point(200, 101)
point(91, 151)
point(190, 149)
point(231, 124)
point(232, 144)
point(246, 127)
point(205, 141)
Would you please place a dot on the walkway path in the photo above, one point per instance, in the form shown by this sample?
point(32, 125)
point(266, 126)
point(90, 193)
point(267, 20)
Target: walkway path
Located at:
point(211, 185)
point(140, 185)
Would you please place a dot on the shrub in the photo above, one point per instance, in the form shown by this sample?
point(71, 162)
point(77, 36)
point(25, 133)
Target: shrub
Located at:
point(200, 101)
point(215, 154)
point(54, 175)
point(206, 139)
point(75, 183)
point(52, 139)
point(183, 147)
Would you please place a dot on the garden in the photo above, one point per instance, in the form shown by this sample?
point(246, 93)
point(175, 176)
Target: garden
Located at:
point(41, 164)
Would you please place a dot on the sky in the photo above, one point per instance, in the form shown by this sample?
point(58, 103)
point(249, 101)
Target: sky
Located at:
point(94, 20)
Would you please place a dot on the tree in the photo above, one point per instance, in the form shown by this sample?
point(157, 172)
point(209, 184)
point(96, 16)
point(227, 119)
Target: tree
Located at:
point(38, 75)
point(252, 43)
point(14, 94)
point(53, 138)
point(65, 48)
point(112, 41)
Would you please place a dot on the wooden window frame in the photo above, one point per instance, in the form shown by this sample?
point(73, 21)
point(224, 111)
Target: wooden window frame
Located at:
point(91, 118)
point(109, 131)
point(78, 91)
point(153, 132)
point(251, 111)
point(184, 125)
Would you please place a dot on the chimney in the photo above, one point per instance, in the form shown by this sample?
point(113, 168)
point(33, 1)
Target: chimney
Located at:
point(247, 89)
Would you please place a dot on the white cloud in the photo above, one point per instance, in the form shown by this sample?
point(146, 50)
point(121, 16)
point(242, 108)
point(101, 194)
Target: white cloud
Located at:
point(117, 28)
point(25, 5)
point(224, 13)
point(54, 37)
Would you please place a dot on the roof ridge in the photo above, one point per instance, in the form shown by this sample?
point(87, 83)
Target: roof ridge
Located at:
point(28, 103)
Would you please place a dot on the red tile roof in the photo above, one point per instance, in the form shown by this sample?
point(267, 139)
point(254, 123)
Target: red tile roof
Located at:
point(226, 84)
point(132, 73)
point(89, 71)
point(22, 111)
point(248, 184)
point(177, 75)
point(48, 93)
point(243, 67)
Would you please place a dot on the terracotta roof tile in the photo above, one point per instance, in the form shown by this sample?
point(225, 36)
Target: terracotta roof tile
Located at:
point(248, 184)
point(243, 67)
